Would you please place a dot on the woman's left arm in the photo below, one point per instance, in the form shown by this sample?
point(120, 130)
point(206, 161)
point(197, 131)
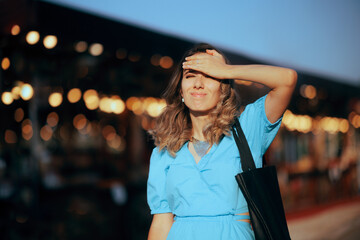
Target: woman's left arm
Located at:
point(280, 80)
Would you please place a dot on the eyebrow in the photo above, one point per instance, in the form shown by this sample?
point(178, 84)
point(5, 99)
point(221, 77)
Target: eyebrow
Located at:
point(186, 71)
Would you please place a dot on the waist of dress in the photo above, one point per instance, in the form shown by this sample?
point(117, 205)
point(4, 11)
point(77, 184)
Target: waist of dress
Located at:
point(213, 218)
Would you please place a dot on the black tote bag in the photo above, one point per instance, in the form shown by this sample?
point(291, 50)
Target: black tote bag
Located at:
point(260, 188)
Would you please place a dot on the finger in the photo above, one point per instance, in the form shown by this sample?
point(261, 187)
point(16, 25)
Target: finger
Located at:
point(213, 52)
point(201, 55)
point(210, 51)
point(191, 65)
point(192, 62)
point(191, 58)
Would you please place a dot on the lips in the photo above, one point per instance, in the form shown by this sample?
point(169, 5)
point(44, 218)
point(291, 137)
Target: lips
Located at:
point(197, 94)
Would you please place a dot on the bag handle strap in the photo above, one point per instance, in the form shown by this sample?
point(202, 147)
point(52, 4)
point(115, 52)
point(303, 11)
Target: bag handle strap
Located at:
point(247, 161)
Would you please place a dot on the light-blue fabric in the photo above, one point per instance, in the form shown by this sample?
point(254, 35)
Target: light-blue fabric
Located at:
point(205, 197)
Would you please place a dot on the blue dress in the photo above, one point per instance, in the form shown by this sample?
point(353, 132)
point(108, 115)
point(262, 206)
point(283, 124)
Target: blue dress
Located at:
point(204, 196)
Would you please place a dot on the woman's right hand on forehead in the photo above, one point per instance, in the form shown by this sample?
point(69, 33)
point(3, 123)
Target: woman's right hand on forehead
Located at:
point(210, 63)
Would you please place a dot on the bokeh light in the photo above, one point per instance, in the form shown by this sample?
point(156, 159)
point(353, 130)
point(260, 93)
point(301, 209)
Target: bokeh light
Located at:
point(134, 57)
point(344, 126)
point(166, 62)
point(96, 49)
point(26, 129)
point(108, 132)
point(308, 91)
point(81, 46)
point(130, 102)
point(105, 104)
point(5, 63)
point(15, 30)
point(135, 104)
point(10, 136)
point(52, 119)
point(117, 105)
point(15, 91)
point(115, 143)
point(50, 41)
point(79, 121)
point(55, 99)
point(32, 37)
point(354, 119)
point(26, 92)
point(74, 95)
point(155, 59)
point(155, 108)
point(91, 99)
point(19, 115)
point(46, 133)
point(7, 98)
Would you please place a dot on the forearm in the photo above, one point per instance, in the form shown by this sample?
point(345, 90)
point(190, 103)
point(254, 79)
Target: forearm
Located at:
point(158, 233)
point(270, 76)
point(160, 226)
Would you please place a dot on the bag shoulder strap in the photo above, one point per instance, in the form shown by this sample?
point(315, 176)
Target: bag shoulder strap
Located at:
point(247, 161)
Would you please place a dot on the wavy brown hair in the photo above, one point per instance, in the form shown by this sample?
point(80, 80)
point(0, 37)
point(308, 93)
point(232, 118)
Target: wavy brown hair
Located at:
point(173, 127)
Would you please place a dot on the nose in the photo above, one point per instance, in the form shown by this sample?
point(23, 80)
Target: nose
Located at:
point(198, 81)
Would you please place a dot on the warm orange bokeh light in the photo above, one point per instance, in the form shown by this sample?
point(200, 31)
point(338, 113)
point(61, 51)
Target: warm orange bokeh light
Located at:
point(155, 59)
point(310, 92)
point(46, 133)
point(74, 95)
point(19, 115)
point(5, 63)
point(50, 41)
point(156, 107)
point(79, 121)
point(52, 119)
point(166, 62)
point(15, 30)
point(10, 136)
point(134, 57)
point(91, 99)
point(81, 46)
point(32, 37)
point(55, 99)
point(108, 132)
point(15, 91)
point(105, 104)
point(27, 130)
point(96, 49)
point(117, 105)
point(7, 98)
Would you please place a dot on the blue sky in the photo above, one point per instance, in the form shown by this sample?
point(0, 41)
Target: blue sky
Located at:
point(320, 37)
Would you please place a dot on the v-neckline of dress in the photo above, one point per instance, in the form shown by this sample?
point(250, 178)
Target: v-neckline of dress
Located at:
point(202, 160)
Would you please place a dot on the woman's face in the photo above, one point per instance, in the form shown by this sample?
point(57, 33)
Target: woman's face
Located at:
point(201, 93)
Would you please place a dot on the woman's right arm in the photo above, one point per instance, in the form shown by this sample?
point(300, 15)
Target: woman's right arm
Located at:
point(160, 226)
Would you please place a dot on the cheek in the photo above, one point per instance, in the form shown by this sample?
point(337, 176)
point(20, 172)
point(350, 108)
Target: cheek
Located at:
point(215, 88)
point(182, 88)
point(185, 84)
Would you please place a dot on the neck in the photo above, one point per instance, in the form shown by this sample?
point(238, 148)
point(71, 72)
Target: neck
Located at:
point(198, 122)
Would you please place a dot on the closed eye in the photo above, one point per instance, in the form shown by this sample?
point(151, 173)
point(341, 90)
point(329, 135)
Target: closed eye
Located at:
point(189, 76)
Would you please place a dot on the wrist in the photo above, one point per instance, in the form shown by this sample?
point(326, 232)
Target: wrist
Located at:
point(230, 72)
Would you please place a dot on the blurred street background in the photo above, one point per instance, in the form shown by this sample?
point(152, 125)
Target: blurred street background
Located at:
point(81, 84)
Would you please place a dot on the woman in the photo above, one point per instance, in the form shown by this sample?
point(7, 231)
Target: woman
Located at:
point(192, 191)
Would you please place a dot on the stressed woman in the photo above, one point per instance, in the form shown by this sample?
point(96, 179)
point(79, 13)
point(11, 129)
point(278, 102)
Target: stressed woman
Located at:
point(192, 191)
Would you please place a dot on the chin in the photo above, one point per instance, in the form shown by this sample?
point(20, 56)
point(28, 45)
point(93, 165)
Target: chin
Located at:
point(200, 111)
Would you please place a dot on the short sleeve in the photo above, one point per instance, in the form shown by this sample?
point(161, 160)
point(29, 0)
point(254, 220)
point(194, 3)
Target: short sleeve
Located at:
point(259, 131)
point(156, 190)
